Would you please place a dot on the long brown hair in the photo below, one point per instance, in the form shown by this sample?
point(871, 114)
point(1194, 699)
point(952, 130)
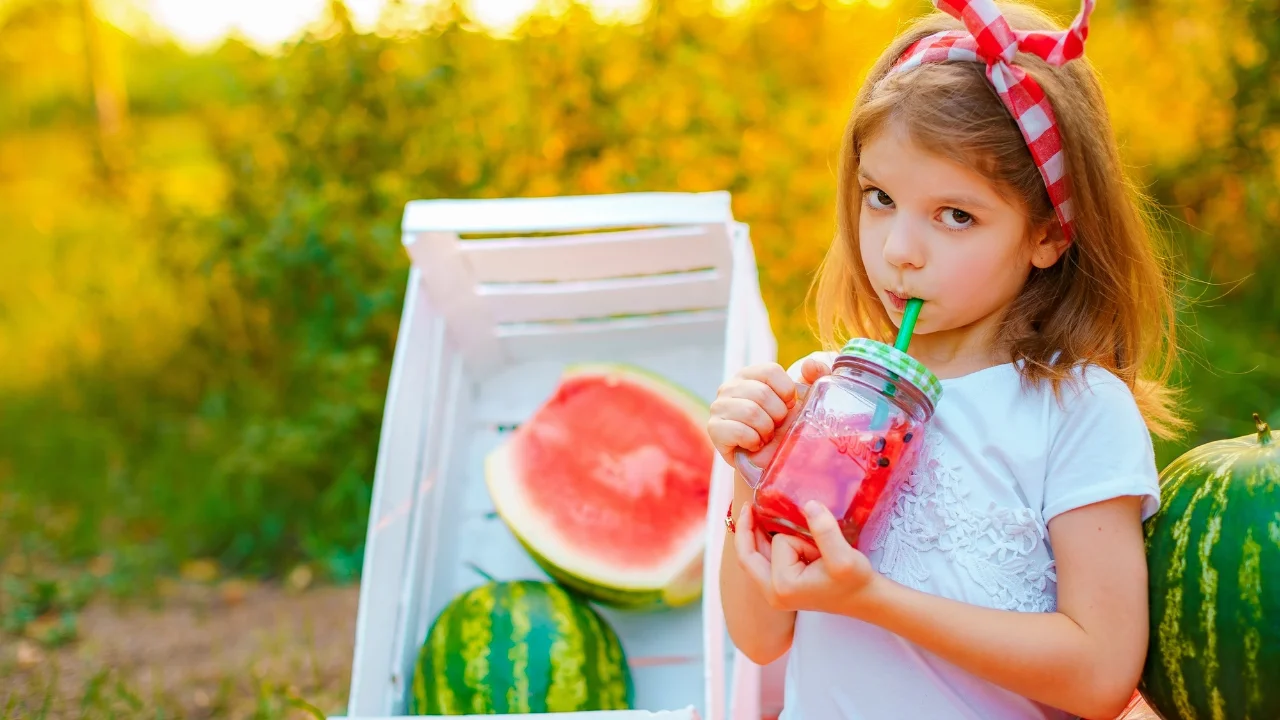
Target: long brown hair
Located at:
point(1108, 301)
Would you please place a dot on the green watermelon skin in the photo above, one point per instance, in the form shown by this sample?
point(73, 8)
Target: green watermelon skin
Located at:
point(637, 601)
point(1213, 554)
point(520, 646)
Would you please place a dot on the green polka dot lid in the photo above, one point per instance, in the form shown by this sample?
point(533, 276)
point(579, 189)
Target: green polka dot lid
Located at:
point(899, 364)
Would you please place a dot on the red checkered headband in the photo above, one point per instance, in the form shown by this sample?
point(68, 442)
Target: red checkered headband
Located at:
point(987, 38)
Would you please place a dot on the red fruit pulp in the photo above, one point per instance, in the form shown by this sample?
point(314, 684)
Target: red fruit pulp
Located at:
point(621, 469)
point(848, 473)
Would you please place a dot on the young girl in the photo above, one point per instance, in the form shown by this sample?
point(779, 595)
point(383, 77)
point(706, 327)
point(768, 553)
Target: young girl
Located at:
point(1006, 577)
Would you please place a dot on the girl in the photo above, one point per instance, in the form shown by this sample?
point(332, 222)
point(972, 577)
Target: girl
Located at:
point(1006, 577)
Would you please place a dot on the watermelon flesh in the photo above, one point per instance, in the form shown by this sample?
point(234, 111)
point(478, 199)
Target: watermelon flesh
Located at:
point(847, 472)
point(606, 486)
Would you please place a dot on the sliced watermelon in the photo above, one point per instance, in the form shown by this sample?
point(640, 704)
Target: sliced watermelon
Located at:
point(606, 486)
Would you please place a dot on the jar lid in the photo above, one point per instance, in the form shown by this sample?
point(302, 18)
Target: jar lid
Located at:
point(898, 363)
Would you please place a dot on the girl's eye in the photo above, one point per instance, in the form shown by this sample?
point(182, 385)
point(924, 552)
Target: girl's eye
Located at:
point(877, 198)
point(956, 219)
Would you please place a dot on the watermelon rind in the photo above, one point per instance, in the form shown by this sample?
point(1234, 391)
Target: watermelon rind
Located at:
point(1213, 553)
point(519, 646)
point(674, 583)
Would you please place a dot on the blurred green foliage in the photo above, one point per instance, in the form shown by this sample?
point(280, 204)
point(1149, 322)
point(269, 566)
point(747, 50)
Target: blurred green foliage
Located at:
point(198, 308)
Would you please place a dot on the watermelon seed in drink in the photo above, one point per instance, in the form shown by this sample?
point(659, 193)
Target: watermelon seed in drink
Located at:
point(846, 472)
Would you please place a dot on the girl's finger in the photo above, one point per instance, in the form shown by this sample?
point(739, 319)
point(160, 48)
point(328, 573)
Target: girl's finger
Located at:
point(776, 377)
point(764, 544)
point(747, 525)
point(840, 557)
point(755, 564)
point(729, 435)
point(787, 564)
point(763, 395)
point(749, 413)
point(812, 369)
point(806, 551)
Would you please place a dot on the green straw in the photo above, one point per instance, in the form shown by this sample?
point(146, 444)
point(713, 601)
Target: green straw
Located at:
point(909, 315)
point(908, 323)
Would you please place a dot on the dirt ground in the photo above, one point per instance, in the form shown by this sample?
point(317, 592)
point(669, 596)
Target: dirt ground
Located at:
point(229, 651)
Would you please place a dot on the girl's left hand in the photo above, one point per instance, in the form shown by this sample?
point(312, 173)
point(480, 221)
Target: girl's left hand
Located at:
point(832, 576)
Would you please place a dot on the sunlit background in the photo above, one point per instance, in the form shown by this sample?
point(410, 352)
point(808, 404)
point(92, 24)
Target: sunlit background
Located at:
point(199, 24)
point(201, 274)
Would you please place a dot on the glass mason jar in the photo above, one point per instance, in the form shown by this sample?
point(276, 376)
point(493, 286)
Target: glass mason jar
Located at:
point(853, 438)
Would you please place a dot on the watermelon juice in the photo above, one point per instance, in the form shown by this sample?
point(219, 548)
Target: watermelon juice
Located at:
point(847, 472)
point(849, 443)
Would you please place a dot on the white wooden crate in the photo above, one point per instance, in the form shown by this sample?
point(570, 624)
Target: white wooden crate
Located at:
point(666, 281)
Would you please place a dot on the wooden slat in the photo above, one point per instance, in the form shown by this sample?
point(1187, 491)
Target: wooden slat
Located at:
point(762, 687)
point(656, 323)
point(446, 521)
point(609, 338)
point(395, 477)
point(565, 213)
point(448, 280)
point(427, 538)
point(685, 713)
point(518, 302)
point(598, 255)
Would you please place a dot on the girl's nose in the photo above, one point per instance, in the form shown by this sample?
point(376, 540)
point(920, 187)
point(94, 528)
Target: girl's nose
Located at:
point(902, 248)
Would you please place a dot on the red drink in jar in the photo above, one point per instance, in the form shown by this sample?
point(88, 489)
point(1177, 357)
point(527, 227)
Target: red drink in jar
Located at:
point(854, 438)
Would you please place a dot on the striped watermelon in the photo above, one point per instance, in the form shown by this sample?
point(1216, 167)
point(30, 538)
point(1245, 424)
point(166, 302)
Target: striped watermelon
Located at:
point(606, 486)
point(1214, 556)
point(520, 646)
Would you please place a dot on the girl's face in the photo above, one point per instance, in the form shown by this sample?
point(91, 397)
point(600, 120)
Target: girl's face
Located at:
point(937, 230)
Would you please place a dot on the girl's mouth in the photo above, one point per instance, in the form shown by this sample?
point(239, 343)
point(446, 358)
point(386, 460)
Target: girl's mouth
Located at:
point(899, 302)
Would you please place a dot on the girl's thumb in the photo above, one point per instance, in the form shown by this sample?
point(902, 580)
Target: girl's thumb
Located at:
point(813, 369)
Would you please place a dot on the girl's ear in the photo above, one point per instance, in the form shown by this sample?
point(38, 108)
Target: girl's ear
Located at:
point(1048, 245)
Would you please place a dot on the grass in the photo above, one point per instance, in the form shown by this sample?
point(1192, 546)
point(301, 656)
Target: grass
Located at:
point(106, 694)
point(75, 642)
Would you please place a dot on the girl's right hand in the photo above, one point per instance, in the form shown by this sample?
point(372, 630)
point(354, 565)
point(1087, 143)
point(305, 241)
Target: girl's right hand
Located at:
point(754, 404)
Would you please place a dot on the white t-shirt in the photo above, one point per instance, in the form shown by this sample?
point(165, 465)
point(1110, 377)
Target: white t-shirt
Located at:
point(970, 525)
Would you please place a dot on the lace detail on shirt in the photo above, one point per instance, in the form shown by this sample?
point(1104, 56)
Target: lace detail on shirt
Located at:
point(932, 511)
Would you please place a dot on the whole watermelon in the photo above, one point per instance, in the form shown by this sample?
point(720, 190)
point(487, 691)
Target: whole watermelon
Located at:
point(1213, 551)
point(521, 646)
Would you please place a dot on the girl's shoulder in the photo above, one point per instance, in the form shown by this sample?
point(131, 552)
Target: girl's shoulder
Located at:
point(1098, 444)
point(1091, 390)
point(1064, 448)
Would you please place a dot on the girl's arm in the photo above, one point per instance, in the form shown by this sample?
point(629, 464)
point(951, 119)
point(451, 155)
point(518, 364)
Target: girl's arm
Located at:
point(1085, 658)
point(762, 633)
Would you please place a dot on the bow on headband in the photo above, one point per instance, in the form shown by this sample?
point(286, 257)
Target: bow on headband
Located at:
point(987, 38)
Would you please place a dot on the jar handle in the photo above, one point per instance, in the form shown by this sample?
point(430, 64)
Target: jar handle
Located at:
point(741, 458)
point(750, 471)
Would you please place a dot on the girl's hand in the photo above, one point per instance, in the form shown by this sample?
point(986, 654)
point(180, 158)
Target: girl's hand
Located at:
point(829, 576)
point(754, 405)
point(749, 407)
